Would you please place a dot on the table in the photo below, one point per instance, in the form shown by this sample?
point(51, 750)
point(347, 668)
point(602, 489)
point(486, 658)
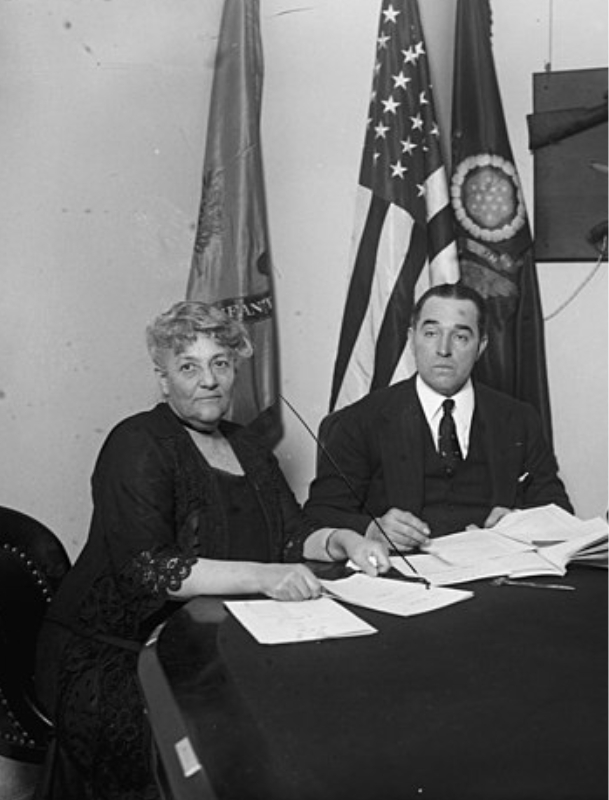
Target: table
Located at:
point(501, 696)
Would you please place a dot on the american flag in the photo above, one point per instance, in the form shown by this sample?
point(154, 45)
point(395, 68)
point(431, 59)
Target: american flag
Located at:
point(404, 239)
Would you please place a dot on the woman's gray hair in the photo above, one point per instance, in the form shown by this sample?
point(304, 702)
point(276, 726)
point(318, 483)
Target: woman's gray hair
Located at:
point(180, 325)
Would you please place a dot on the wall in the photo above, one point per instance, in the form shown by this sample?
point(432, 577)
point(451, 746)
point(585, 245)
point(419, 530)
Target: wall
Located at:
point(569, 36)
point(102, 135)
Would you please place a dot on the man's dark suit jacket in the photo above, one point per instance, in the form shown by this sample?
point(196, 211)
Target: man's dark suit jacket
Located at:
point(378, 444)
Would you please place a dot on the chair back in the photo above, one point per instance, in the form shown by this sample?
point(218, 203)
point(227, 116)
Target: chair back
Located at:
point(33, 563)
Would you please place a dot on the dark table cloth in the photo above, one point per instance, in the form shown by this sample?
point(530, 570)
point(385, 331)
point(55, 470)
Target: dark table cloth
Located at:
point(503, 696)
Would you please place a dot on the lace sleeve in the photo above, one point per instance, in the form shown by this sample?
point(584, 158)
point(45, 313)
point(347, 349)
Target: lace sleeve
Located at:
point(120, 602)
point(157, 572)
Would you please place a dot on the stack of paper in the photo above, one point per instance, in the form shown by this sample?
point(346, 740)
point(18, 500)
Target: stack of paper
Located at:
point(559, 537)
point(536, 541)
point(277, 622)
point(467, 556)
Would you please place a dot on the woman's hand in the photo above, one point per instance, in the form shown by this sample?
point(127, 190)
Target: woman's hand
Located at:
point(288, 582)
point(370, 556)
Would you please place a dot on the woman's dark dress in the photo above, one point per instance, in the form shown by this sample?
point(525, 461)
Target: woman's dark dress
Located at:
point(157, 506)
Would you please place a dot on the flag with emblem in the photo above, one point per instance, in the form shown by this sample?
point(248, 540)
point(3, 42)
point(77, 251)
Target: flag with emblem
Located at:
point(494, 237)
point(231, 266)
point(403, 239)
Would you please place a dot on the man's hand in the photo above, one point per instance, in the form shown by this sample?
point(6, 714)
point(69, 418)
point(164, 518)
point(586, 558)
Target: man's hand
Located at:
point(497, 513)
point(405, 531)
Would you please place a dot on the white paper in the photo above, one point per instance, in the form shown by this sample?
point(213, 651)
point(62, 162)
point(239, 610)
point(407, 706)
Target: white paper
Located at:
point(526, 565)
point(393, 596)
point(521, 563)
point(560, 554)
point(464, 557)
point(471, 547)
point(537, 541)
point(280, 622)
point(439, 573)
point(547, 524)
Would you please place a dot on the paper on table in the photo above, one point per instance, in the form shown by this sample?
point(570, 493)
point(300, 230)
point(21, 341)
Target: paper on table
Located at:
point(474, 546)
point(280, 622)
point(547, 524)
point(475, 555)
point(393, 597)
point(559, 536)
point(531, 563)
point(463, 557)
point(548, 560)
point(439, 573)
point(527, 546)
point(596, 555)
point(561, 553)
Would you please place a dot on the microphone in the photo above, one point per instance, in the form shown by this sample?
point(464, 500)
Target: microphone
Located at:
point(416, 578)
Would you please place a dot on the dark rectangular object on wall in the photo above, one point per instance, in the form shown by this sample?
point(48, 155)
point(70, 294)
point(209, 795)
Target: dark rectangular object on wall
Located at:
point(568, 137)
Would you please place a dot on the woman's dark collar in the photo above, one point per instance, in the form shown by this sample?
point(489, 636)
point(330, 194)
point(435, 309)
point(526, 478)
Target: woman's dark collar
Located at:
point(189, 425)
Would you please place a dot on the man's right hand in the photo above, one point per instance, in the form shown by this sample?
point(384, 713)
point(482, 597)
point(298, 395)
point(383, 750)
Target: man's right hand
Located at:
point(405, 531)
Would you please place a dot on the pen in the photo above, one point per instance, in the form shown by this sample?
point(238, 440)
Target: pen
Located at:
point(531, 584)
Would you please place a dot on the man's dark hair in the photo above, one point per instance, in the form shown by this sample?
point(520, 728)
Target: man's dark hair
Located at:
point(455, 291)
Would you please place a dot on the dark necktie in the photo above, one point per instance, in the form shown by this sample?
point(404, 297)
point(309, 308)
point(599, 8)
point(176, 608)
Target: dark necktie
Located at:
point(447, 438)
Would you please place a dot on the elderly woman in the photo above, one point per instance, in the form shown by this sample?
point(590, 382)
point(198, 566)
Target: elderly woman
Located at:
point(184, 503)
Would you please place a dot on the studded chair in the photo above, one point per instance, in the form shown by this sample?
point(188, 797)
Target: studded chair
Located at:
point(32, 565)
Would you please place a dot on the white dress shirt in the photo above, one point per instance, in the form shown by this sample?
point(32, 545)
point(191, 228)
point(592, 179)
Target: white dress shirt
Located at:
point(463, 411)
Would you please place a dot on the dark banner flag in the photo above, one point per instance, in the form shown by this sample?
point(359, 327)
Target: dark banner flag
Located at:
point(404, 236)
point(494, 237)
point(231, 267)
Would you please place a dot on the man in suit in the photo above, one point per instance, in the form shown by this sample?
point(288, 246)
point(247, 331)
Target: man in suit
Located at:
point(424, 470)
